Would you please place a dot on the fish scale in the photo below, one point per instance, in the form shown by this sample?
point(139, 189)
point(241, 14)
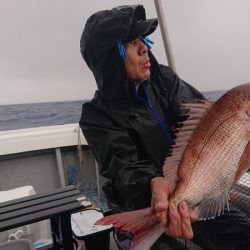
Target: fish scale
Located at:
point(221, 158)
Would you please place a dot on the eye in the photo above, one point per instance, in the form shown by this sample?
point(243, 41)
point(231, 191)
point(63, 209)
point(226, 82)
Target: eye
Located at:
point(134, 42)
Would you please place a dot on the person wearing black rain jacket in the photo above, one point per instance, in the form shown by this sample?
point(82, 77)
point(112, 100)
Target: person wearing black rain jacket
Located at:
point(128, 133)
point(129, 126)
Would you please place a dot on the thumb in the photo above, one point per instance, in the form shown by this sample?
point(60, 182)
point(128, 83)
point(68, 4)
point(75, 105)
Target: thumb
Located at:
point(161, 206)
point(160, 211)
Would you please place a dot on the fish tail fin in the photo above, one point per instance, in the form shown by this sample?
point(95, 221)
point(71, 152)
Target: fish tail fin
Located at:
point(144, 226)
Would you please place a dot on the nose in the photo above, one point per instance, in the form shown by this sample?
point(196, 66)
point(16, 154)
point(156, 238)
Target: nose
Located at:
point(143, 48)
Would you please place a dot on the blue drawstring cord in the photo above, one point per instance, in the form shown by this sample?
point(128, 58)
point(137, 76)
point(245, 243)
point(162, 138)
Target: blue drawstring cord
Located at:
point(121, 48)
point(163, 126)
point(158, 118)
point(148, 42)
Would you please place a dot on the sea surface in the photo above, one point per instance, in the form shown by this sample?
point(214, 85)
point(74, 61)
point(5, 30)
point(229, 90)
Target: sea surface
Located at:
point(19, 116)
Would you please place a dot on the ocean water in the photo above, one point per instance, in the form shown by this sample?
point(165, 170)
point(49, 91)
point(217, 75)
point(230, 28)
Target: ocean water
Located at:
point(18, 116)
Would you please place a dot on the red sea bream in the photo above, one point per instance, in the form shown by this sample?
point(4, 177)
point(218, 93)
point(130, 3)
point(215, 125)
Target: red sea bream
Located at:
point(211, 153)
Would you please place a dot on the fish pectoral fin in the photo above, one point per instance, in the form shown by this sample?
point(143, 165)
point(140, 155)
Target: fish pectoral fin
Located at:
point(210, 208)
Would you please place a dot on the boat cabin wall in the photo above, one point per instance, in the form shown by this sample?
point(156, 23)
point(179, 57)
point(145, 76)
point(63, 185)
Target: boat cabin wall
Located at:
point(45, 170)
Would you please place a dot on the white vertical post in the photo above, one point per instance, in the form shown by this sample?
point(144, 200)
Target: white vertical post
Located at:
point(164, 33)
point(60, 167)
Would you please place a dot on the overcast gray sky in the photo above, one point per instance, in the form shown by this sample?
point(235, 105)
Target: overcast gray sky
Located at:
point(40, 58)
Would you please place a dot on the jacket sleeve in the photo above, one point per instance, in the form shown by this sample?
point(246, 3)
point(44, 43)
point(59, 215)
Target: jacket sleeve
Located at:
point(129, 179)
point(178, 92)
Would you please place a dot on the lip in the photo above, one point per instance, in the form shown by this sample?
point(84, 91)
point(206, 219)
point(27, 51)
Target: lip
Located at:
point(147, 64)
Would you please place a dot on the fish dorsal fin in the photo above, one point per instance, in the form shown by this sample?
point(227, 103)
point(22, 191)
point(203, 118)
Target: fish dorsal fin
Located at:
point(183, 134)
point(210, 208)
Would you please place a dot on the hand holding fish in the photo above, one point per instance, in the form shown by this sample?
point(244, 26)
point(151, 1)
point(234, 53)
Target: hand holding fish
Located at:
point(180, 219)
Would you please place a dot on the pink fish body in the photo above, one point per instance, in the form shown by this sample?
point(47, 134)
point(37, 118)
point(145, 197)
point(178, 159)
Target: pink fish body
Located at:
point(204, 171)
point(210, 154)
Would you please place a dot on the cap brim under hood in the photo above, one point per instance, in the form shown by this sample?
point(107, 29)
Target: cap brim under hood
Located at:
point(142, 28)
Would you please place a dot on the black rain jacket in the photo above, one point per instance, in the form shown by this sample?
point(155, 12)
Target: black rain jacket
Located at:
point(130, 134)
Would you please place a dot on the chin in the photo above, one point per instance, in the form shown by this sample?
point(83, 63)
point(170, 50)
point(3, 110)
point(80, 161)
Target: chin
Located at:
point(146, 76)
point(143, 78)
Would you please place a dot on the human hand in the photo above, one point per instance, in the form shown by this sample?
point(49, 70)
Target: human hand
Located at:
point(180, 221)
point(180, 218)
point(159, 197)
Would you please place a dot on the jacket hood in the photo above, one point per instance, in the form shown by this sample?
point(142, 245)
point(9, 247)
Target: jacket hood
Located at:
point(99, 48)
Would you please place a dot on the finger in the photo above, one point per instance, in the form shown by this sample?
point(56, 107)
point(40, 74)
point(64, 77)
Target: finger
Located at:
point(161, 206)
point(193, 216)
point(174, 227)
point(158, 207)
point(160, 211)
point(186, 227)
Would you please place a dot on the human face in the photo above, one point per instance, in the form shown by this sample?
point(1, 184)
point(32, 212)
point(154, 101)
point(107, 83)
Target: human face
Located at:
point(137, 63)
